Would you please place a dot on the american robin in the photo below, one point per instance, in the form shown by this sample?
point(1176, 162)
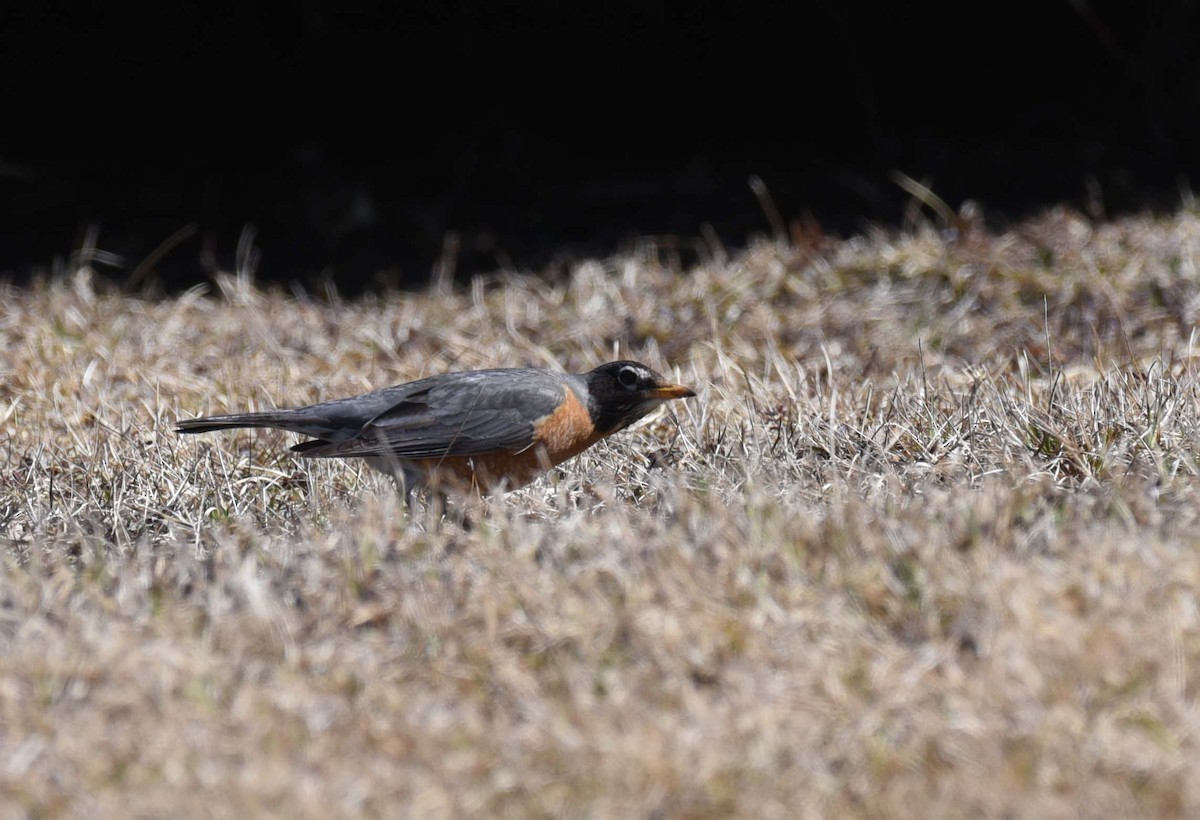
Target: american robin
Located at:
point(492, 429)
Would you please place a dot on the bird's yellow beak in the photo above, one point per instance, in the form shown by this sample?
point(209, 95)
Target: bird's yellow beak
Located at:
point(672, 391)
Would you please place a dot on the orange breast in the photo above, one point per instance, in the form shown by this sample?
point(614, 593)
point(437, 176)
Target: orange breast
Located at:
point(563, 434)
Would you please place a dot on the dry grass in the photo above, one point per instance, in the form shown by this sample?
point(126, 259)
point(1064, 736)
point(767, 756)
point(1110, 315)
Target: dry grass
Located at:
point(926, 545)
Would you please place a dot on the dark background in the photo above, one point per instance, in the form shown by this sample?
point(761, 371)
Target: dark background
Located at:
point(360, 140)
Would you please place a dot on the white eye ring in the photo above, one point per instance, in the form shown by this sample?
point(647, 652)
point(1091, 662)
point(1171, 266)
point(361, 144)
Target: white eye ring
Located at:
point(627, 377)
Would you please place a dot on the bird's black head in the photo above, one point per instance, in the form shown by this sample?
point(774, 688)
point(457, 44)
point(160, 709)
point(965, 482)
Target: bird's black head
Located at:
point(620, 393)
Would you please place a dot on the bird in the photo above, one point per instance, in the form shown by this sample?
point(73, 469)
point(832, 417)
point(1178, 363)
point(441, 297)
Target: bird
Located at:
point(493, 430)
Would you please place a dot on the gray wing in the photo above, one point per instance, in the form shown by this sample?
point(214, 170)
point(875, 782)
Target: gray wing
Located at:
point(332, 421)
point(459, 414)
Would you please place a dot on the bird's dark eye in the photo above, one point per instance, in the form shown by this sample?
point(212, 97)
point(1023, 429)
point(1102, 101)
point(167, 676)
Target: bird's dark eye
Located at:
point(627, 377)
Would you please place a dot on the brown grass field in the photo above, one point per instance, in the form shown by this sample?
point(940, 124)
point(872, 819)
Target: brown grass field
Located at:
point(926, 545)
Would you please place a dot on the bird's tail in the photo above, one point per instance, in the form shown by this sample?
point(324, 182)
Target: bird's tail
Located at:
point(280, 420)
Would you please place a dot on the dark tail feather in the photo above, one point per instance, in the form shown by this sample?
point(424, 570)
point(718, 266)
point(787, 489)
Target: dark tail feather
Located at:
point(210, 423)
